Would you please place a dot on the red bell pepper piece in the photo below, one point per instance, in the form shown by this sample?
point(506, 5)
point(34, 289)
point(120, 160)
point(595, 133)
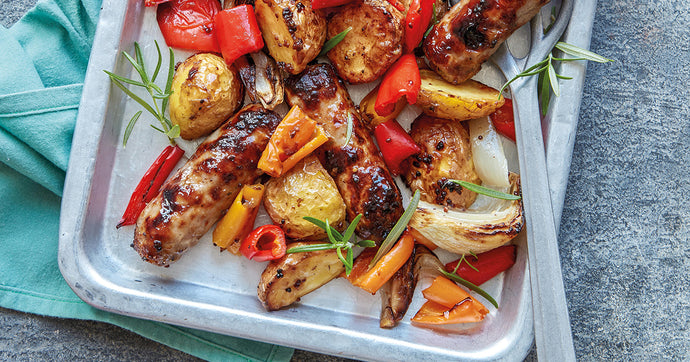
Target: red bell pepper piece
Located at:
point(150, 184)
point(188, 24)
point(264, 243)
point(503, 120)
point(397, 4)
point(395, 144)
point(238, 32)
point(417, 21)
point(402, 79)
point(488, 264)
point(154, 2)
point(322, 4)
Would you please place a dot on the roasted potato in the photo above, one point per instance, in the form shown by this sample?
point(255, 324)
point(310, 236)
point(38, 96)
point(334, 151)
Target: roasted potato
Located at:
point(305, 190)
point(446, 154)
point(468, 100)
point(292, 31)
point(205, 94)
point(286, 280)
point(373, 44)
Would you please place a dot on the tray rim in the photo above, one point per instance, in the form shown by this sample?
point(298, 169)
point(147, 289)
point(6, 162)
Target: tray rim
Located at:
point(87, 136)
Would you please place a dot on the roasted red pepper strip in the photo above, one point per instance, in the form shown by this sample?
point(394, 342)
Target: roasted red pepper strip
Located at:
point(238, 32)
point(189, 24)
point(397, 4)
point(322, 4)
point(503, 120)
point(154, 2)
point(402, 79)
point(395, 144)
point(488, 264)
point(416, 23)
point(150, 184)
point(264, 243)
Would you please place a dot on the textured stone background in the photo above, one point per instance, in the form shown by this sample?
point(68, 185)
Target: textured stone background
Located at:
point(624, 231)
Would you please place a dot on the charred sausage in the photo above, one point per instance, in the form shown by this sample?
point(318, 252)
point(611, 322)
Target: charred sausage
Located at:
point(357, 167)
point(196, 196)
point(471, 32)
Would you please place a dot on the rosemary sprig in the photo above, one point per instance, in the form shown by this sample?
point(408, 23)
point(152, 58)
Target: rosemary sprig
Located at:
point(337, 241)
point(332, 42)
point(397, 229)
point(156, 93)
point(548, 78)
point(480, 291)
point(485, 190)
point(463, 258)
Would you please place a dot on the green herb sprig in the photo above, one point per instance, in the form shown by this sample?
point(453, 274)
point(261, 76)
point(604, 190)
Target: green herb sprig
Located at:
point(454, 277)
point(337, 241)
point(485, 190)
point(397, 229)
point(548, 78)
point(156, 93)
point(332, 42)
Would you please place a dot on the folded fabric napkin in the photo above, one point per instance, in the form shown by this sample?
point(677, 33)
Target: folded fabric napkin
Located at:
point(41, 74)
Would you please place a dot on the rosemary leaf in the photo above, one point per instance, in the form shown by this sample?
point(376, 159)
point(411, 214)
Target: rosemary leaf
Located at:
point(311, 247)
point(135, 97)
point(397, 229)
point(332, 42)
point(469, 285)
point(485, 190)
point(130, 127)
point(581, 53)
point(366, 243)
point(171, 73)
point(544, 92)
point(124, 80)
point(323, 226)
point(351, 228)
point(553, 79)
point(158, 63)
point(136, 66)
point(140, 61)
point(174, 132)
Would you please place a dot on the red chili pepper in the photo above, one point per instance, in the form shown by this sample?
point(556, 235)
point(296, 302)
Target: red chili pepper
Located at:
point(188, 24)
point(321, 4)
point(402, 79)
point(489, 264)
point(264, 243)
point(503, 120)
point(150, 184)
point(395, 144)
point(154, 2)
point(416, 22)
point(238, 32)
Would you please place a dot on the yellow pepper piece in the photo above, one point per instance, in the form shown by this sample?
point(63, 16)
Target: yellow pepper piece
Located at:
point(296, 136)
point(238, 221)
point(366, 107)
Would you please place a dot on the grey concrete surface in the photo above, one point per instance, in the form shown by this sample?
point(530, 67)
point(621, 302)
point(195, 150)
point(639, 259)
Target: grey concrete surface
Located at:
point(624, 230)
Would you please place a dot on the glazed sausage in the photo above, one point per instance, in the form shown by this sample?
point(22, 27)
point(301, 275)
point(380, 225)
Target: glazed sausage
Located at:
point(357, 167)
point(195, 198)
point(471, 32)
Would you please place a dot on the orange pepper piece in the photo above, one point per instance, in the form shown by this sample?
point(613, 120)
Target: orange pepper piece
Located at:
point(448, 304)
point(296, 136)
point(384, 269)
point(238, 221)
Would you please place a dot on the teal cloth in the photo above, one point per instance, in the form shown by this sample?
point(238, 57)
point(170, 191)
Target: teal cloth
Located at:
point(42, 68)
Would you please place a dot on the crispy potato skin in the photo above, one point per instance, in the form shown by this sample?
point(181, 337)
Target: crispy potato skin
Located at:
point(205, 94)
point(467, 100)
point(373, 44)
point(446, 154)
point(357, 167)
point(305, 190)
point(470, 33)
point(286, 280)
point(193, 199)
point(292, 31)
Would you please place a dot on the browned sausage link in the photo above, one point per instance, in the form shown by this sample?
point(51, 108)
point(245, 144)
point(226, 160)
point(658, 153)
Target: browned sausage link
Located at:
point(196, 196)
point(358, 169)
point(471, 32)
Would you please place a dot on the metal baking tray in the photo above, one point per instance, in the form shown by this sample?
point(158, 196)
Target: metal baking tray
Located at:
point(216, 291)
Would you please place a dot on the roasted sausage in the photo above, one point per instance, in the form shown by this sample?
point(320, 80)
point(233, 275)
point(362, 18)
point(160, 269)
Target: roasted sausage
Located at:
point(357, 167)
point(192, 200)
point(470, 33)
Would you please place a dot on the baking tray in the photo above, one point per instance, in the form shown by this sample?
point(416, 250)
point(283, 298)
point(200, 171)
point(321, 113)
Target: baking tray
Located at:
point(216, 291)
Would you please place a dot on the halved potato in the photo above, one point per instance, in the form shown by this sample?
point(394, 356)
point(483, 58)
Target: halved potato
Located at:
point(461, 102)
point(292, 31)
point(286, 280)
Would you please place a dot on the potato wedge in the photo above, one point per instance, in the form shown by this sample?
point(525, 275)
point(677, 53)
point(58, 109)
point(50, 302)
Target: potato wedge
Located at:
point(305, 190)
point(286, 280)
point(373, 44)
point(292, 31)
point(461, 102)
